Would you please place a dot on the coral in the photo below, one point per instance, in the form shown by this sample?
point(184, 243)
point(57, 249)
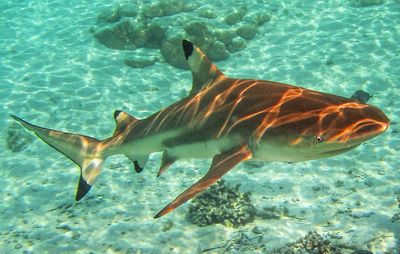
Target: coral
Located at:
point(312, 243)
point(223, 204)
point(17, 138)
point(163, 24)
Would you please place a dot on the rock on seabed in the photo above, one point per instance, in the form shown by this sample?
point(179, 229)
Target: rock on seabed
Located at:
point(161, 25)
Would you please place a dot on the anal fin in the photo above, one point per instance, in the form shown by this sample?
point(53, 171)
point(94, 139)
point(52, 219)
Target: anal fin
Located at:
point(165, 163)
point(221, 164)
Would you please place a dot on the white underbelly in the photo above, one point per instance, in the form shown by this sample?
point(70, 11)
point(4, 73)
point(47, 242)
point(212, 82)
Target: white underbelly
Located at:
point(206, 149)
point(268, 152)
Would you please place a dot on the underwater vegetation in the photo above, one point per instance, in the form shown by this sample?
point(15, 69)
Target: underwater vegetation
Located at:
point(162, 25)
point(222, 203)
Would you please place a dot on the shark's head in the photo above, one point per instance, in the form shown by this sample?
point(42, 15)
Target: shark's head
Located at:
point(326, 126)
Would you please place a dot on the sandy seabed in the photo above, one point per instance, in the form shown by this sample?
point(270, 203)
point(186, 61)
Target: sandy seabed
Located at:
point(54, 74)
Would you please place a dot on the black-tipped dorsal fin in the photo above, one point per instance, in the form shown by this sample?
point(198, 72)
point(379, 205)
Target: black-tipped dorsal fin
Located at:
point(122, 120)
point(203, 70)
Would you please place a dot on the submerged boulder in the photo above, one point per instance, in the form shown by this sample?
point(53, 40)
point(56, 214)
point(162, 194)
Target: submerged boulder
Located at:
point(171, 50)
point(236, 16)
point(247, 31)
point(217, 51)
point(163, 24)
point(139, 62)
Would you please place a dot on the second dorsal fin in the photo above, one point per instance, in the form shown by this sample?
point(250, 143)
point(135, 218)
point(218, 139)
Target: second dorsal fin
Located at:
point(122, 120)
point(203, 70)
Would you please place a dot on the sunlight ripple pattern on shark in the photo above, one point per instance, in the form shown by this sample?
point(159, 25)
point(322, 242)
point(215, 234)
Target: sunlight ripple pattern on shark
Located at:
point(231, 120)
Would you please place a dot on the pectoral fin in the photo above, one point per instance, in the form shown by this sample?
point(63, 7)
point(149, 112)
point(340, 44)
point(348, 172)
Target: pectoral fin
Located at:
point(221, 164)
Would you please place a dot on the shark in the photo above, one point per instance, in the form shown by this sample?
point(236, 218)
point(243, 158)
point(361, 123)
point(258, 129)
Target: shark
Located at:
point(230, 120)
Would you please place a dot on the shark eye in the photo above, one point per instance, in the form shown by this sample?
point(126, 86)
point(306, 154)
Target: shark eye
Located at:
point(318, 139)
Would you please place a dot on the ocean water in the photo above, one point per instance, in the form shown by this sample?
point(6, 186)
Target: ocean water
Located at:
point(55, 74)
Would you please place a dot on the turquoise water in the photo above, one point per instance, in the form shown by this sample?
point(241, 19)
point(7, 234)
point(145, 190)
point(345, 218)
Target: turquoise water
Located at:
point(54, 73)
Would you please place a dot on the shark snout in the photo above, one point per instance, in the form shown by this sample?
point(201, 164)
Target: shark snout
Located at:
point(373, 124)
point(368, 130)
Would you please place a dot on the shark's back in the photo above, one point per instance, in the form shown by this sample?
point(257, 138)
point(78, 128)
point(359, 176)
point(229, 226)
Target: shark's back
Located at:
point(229, 106)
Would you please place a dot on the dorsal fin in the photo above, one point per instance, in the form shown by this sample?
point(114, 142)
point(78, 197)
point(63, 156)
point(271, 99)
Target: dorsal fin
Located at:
point(203, 70)
point(122, 120)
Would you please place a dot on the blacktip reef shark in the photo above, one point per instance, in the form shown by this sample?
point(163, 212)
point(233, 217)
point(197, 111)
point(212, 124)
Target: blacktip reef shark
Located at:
point(231, 120)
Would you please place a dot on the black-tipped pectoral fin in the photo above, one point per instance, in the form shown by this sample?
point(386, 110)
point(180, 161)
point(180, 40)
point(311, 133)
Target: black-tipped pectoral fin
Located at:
point(221, 164)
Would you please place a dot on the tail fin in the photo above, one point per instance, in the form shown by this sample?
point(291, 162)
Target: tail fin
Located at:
point(82, 150)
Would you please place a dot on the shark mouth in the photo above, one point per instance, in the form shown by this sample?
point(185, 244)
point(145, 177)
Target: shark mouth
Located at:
point(338, 151)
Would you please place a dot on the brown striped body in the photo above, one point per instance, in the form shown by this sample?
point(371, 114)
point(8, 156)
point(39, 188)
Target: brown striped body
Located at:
point(230, 120)
point(257, 112)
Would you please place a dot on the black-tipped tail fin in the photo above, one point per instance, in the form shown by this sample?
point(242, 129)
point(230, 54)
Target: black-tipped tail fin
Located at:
point(82, 150)
point(83, 188)
point(203, 70)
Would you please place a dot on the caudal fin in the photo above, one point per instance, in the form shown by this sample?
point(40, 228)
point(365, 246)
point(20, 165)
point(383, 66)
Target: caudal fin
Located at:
point(82, 150)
